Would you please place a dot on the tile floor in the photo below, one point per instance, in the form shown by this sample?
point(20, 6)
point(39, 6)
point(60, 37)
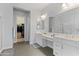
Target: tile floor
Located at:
point(24, 49)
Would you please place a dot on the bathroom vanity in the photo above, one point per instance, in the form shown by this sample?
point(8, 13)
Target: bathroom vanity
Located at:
point(64, 36)
point(62, 44)
point(44, 39)
point(66, 45)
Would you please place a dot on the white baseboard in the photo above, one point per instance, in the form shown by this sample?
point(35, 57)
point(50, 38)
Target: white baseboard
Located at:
point(1, 50)
point(4, 48)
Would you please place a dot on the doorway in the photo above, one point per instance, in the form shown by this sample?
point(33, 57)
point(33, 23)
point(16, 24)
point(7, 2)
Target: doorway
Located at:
point(20, 28)
point(21, 25)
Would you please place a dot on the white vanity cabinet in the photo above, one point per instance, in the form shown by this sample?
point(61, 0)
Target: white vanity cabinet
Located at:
point(49, 43)
point(40, 40)
point(64, 47)
point(57, 46)
point(43, 40)
point(70, 48)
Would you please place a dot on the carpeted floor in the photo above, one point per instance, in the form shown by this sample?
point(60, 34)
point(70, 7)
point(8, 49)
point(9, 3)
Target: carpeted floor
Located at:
point(24, 49)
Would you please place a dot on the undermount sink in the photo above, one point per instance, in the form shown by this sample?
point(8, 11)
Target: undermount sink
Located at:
point(45, 33)
point(52, 35)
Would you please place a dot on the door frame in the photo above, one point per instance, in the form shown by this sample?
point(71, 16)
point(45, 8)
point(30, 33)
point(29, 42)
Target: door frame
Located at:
point(26, 25)
point(1, 29)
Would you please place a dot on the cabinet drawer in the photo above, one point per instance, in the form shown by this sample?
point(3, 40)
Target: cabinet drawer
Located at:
point(69, 50)
point(57, 45)
point(57, 40)
point(50, 44)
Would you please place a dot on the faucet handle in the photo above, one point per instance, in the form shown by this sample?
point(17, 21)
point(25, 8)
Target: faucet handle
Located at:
point(52, 35)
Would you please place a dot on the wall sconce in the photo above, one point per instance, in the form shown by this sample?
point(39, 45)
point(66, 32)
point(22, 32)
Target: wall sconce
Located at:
point(43, 16)
point(64, 6)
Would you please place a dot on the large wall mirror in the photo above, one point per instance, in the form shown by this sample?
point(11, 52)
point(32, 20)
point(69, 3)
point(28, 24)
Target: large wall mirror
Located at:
point(67, 22)
point(41, 22)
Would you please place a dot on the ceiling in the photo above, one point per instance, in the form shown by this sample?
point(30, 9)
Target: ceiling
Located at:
point(31, 6)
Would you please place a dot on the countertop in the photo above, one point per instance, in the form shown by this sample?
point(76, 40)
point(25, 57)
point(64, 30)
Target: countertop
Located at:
point(59, 35)
point(68, 37)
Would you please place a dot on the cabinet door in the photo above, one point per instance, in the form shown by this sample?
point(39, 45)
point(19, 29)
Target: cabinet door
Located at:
point(44, 41)
point(57, 49)
point(57, 52)
point(50, 44)
point(40, 40)
point(57, 46)
point(57, 43)
point(70, 50)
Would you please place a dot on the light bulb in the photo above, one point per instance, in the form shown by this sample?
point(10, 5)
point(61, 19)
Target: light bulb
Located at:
point(43, 16)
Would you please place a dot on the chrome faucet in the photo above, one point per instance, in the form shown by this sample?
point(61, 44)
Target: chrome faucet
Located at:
point(53, 35)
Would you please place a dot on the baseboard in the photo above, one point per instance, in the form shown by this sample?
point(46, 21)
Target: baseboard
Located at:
point(1, 50)
point(4, 49)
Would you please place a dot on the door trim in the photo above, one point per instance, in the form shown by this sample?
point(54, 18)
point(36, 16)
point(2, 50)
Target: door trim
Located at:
point(27, 21)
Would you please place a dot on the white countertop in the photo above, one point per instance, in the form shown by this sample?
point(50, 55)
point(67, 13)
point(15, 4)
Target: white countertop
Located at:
point(68, 37)
point(46, 35)
point(59, 35)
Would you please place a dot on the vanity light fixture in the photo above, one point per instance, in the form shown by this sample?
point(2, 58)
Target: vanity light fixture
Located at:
point(64, 6)
point(43, 16)
point(69, 5)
